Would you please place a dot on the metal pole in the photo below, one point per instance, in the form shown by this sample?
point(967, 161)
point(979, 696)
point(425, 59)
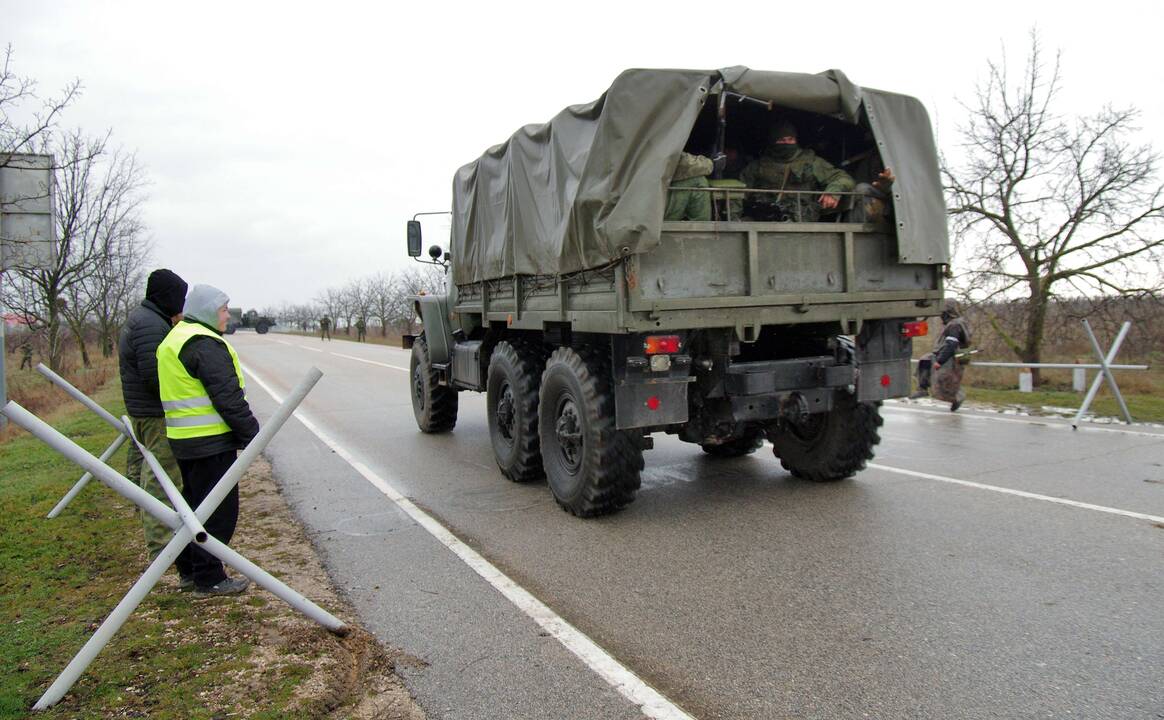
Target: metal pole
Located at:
point(114, 480)
point(79, 396)
point(173, 519)
point(1105, 364)
point(188, 520)
point(276, 586)
point(227, 482)
point(3, 352)
point(68, 498)
point(115, 620)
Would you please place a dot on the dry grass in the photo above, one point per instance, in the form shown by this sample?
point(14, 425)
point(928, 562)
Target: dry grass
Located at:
point(35, 393)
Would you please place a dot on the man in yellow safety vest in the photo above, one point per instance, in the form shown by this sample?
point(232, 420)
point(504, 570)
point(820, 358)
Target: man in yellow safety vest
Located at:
point(207, 421)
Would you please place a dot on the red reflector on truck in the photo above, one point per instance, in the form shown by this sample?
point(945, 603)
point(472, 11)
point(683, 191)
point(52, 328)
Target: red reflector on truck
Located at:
point(653, 402)
point(885, 380)
point(658, 344)
point(915, 329)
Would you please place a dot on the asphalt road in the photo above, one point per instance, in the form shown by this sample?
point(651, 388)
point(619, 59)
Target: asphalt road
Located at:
point(983, 567)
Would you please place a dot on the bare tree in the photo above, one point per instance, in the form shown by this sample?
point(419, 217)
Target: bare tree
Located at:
point(380, 292)
point(19, 135)
point(1045, 205)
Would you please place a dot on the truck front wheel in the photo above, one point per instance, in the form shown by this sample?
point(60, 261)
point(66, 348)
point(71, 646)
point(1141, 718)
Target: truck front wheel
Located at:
point(829, 446)
point(433, 404)
point(511, 401)
point(592, 467)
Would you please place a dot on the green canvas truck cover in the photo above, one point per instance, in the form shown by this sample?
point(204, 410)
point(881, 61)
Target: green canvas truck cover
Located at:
point(590, 186)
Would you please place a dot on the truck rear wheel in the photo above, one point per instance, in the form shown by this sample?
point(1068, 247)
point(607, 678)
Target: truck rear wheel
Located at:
point(592, 467)
point(829, 446)
point(736, 447)
point(433, 404)
point(262, 327)
point(511, 401)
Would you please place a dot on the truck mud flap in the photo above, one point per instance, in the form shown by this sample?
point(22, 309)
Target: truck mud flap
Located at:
point(650, 404)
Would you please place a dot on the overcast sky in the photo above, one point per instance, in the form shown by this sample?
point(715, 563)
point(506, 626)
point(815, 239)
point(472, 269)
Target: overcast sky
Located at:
point(286, 144)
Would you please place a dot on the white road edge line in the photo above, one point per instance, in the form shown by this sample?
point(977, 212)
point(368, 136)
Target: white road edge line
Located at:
point(370, 362)
point(309, 348)
point(1019, 493)
point(1088, 427)
point(651, 702)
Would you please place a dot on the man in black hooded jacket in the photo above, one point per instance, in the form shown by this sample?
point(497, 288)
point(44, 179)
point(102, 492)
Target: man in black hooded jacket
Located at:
point(147, 325)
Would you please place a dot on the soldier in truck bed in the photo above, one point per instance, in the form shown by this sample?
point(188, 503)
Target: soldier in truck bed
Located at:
point(804, 170)
point(785, 165)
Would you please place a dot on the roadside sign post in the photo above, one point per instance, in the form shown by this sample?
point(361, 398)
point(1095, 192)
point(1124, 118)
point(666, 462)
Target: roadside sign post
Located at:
point(186, 523)
point(27, 238)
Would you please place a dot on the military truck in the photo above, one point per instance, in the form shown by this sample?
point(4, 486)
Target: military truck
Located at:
point(250, 319)
point(590, 323)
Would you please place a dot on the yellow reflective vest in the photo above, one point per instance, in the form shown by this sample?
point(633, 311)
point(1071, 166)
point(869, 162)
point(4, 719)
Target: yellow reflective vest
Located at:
point(189, 411)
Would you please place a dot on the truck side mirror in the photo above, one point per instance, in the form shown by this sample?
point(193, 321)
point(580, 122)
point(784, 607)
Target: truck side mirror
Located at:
point(414, 240)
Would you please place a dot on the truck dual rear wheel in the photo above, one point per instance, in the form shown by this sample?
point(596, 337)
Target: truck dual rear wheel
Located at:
point(511, 401)
point(433, 404)
point(829, 446)
point(592, 467)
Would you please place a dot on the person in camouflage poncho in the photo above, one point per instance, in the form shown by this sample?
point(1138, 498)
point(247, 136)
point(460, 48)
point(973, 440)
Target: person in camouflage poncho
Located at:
point(786, 166)
point(942, 366)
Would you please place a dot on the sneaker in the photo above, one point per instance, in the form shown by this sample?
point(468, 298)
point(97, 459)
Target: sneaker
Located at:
point(229, 586)
point(185, 582)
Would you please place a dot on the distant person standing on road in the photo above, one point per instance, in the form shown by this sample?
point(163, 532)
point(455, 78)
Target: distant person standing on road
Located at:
point(325, 328)
point(942, 365)
point(207, 421)
point(361, 330)
point(137, 355)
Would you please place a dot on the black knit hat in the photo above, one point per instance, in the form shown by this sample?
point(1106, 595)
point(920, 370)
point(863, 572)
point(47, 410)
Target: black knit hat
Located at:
point(166, 290)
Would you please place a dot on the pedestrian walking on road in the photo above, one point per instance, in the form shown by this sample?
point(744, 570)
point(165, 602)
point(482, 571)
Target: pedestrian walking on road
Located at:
point(137, 355)
point(207, 421)
point(943, 366)
point(325, 328)
point(361, 330)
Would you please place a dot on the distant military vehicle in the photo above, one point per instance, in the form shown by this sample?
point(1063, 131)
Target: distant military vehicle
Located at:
point(250, 319)
point(590, 322)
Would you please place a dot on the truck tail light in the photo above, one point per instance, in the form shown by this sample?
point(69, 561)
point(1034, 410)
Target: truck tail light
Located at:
point(915, 329)
point(659, 344)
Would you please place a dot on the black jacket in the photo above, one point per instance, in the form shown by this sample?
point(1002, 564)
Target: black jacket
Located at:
point(137, 353)
point(207, 359)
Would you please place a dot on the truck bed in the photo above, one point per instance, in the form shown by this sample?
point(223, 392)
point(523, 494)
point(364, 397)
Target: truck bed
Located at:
point(723, 274)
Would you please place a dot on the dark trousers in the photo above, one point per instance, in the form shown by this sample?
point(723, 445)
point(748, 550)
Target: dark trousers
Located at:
point(198, 479)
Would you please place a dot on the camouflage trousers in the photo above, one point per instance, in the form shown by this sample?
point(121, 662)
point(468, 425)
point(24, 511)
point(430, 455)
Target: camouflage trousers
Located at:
point(947, 382)
point(152, 433)
point(688, 204)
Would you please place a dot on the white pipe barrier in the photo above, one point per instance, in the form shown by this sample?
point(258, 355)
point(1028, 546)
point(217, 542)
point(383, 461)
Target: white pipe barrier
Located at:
point(101, 413)
point(1104, 373)
point(184, 522)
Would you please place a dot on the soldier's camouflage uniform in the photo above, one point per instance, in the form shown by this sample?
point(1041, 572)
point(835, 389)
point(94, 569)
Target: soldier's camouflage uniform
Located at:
point(946, 381)
point(805, 172)
point(691, 172)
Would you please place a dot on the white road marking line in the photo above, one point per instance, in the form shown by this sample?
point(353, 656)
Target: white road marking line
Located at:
point(284, 342)
point(370, 362)
point(309, 348)
point(1086, 427)
point(1019, 493)
point(651, 702)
